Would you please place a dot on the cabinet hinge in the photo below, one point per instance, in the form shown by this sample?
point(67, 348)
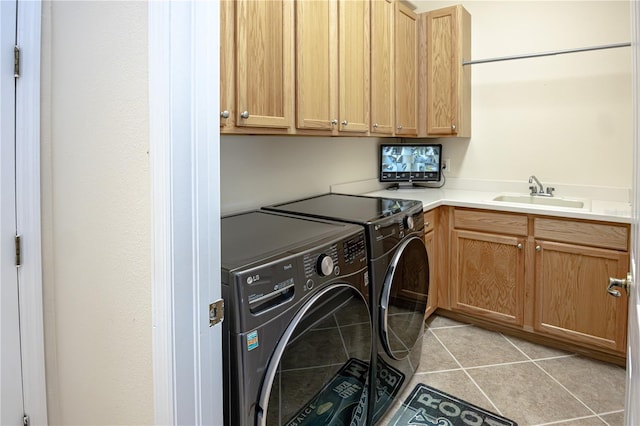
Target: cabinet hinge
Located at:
point(18, 249)
point(16, 61)
point(25, 420)
point(216, 312)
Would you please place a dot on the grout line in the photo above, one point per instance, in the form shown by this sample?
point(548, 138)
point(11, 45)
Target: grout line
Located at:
point(611, 412)
point(444, 327)
point(502, 364)
point(448, 370)
point(467, 374)
point(538, 359)
point(607, 413)
point(555, 422)
point(566, 389)
point(344, 344)
point(515, 346)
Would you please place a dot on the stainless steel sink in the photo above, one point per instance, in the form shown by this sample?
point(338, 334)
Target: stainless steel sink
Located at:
point(545, 201)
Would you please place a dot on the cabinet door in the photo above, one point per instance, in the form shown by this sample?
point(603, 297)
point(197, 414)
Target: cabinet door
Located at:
point(316, 65)
point(354, 53)
point(264, 63)
point(227, 66)
point(382, 77)
point(441, 71)
point(406, 71)
point(487, 276)
point(571, 298)
point(448, 82)
point(432, 301)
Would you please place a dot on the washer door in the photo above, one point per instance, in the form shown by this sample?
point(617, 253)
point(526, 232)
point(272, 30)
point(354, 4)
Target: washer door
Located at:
point(403, 300)
point(319, 371)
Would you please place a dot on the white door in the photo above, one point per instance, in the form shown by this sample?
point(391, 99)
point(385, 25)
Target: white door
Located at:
point(11, 392)
point(632, 413)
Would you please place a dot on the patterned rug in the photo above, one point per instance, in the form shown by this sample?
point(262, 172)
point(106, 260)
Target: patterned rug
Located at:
point(343, 401)
point(431, 407)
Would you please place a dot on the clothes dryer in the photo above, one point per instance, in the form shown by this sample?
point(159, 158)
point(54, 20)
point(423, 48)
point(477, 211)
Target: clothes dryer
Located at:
point(297, 334)
point(399, 272)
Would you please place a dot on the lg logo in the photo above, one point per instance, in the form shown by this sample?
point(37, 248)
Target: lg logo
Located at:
point(253, 278)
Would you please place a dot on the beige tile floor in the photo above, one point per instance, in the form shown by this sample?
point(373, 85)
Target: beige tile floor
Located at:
point(528, 383)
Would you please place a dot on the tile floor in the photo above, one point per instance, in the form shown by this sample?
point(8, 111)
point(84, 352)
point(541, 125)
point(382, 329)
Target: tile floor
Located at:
point(528, 383)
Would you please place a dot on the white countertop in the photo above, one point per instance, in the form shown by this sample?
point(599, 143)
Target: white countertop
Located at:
point(612, 211)
point(603, 203)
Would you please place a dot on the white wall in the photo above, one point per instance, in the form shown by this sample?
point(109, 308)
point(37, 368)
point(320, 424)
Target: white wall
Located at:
point(260, 170)
point(96, 213)
point(566, 119)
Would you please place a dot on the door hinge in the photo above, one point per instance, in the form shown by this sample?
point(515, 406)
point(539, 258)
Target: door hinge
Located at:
point(25, 420)
point(216, 312)
point(18, 249)
point(16, 61)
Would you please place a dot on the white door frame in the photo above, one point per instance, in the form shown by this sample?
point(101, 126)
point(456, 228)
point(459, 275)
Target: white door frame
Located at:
point(28, 211)
point(27, 205)
point(184, 150)
point(632, 408)
point(11, 403)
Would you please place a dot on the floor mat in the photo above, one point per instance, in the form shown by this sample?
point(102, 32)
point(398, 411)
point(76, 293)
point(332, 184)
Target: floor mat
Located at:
point(431, 407)
point(343, 401)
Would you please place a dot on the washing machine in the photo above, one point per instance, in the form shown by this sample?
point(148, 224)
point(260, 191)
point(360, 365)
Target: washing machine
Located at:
point(399, 272)
point(297, 333)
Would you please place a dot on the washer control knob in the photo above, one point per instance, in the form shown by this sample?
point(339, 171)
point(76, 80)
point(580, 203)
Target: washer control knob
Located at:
point(408, 222)
point(324, 265)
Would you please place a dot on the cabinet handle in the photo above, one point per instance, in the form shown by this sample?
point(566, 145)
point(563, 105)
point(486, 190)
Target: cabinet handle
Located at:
point(619, 282)
point(224, 114)
point(245, 114)
point(519, 246)
point(375, 125)
point(334, 122)
point(400, 127)
point(453, 127)
point(538, 248)
point(426, 224)
point(345, 123)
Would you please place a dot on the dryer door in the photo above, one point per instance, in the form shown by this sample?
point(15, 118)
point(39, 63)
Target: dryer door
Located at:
point(403, 300)
point(319, 371)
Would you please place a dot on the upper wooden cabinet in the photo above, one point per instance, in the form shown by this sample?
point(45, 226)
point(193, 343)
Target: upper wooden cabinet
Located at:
point(448, 81)
point(382, 67)
point(343, 67)
point(227, 65)
point(264, 63)
point(354, 22)
point(332, 66)
point(406, 71)
point(316, 65)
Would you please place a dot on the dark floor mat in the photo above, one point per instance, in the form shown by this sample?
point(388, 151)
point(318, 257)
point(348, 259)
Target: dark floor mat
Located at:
point(343, 401)
point(430, 407)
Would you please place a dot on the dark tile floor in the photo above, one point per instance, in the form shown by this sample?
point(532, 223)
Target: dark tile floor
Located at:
point(528, 383)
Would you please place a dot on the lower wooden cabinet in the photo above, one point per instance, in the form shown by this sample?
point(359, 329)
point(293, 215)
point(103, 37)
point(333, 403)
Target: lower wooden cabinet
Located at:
point(571, 298)
point(544, 276)
point(430, 242)
point(487, 275)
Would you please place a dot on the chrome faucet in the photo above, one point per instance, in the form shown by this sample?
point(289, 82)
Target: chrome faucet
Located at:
point(541, 191)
